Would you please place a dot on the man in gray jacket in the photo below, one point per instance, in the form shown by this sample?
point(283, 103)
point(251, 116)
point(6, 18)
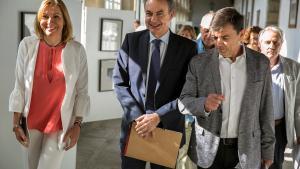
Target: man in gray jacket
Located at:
point(286, 96)
point(229, 91)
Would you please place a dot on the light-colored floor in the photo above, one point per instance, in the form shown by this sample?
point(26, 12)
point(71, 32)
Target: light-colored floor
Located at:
point(98, 146)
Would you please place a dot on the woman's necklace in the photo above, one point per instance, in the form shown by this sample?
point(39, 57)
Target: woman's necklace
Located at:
point(55, 44)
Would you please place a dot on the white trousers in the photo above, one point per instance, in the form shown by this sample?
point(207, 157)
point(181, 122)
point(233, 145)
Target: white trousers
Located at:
point(43, 151)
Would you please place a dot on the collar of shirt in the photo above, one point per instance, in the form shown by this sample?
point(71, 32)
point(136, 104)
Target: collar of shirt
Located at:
point(164, 38)
point(277, 68)
point(238, 58)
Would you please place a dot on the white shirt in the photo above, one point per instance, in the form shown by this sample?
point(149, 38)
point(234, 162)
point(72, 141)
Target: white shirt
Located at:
point(278, 90)
point(233, 83)
point(76, 101)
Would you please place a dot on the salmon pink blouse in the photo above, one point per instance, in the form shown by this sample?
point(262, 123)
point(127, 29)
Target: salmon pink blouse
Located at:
point(48, 90)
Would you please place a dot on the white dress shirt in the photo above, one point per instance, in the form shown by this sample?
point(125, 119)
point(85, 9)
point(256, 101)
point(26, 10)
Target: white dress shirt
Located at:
point(278, 90)
point(233, 83)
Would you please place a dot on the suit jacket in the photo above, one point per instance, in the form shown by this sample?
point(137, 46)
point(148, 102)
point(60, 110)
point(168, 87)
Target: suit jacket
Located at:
point(130, 77)
point(291, 74)
point(256, 125)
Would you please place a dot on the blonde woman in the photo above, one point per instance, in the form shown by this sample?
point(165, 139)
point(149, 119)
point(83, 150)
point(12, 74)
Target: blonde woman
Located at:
point(187, 31)
point(51, 88)
point(250, 37)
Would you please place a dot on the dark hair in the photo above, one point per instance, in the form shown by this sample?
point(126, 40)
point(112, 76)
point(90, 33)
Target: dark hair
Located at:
point(252, 29)
point(171, 4)
point(227, 15)
point(137, 22)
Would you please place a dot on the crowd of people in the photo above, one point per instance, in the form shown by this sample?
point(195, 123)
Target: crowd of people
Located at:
point(231, 93)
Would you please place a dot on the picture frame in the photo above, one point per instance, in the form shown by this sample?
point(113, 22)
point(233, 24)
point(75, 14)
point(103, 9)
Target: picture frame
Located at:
point(293, 13)
point(106, 67)
point(111, 34)
point(27, 24)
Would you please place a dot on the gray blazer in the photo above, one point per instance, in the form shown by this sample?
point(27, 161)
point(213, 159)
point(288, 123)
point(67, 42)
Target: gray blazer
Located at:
point(291, 74)
point(256, 136)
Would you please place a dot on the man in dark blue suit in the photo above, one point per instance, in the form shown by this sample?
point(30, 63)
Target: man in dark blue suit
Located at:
point(149, 75)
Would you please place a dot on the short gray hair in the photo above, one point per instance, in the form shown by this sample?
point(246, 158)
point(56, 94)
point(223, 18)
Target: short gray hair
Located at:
point(171, 4)
point(274, 29)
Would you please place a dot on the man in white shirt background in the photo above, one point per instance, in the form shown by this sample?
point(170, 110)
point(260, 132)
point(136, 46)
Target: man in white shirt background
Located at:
point(286, 96)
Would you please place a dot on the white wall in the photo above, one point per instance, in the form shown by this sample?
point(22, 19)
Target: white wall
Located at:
point(292, 36)
point(258, 5)
point(104, 105)
point(10, 156)
point(201, 7)
point(291, 46)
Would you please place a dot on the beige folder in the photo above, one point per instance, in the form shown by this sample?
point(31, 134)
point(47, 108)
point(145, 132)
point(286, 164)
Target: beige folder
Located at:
point(161, 148)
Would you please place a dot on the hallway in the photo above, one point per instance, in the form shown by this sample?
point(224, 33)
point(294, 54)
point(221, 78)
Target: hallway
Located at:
point(98, 146)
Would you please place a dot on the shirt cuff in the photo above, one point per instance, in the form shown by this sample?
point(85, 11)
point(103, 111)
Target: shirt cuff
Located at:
point(206, 113)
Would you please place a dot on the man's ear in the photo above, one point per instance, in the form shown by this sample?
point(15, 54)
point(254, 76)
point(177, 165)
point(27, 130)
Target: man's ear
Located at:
point(173, 13)
point(241, 34)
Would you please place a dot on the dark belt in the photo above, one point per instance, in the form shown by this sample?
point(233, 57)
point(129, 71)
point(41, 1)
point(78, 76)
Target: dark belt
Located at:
point(229, 141)
point(278, 121)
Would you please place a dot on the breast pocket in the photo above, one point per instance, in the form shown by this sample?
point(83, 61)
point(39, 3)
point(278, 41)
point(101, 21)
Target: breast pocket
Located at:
point(290, 78)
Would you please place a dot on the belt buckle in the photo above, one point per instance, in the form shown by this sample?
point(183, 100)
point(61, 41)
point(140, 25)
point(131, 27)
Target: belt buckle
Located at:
point(227, 142)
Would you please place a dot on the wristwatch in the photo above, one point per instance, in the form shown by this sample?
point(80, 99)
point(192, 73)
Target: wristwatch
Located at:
point(78, 122)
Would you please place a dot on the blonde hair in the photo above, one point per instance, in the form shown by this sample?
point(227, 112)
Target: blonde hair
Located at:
point(67, 32)
point(189, 29)
point(247, 34)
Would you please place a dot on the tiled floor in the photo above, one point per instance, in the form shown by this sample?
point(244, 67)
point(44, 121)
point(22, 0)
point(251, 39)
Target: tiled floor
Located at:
point(98, 146)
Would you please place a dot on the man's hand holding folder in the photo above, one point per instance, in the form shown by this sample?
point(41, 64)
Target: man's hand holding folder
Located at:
point(146, 124)
point(160, 146)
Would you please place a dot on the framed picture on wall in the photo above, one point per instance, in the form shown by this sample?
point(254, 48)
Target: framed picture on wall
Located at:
point(106, 67)
point(27, 24)
point(293, 13)
point(110, 34)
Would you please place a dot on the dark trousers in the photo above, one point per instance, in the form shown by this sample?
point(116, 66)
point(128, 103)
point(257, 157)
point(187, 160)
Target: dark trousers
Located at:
point(280, 144)
point(131, 163)
point(226, 158)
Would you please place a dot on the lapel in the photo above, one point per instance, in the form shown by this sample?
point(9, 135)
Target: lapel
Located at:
point(216, 77)
point(170, 53)
point(287, 71)
point(252, 73)
point(284, 69)
point(143, 55)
